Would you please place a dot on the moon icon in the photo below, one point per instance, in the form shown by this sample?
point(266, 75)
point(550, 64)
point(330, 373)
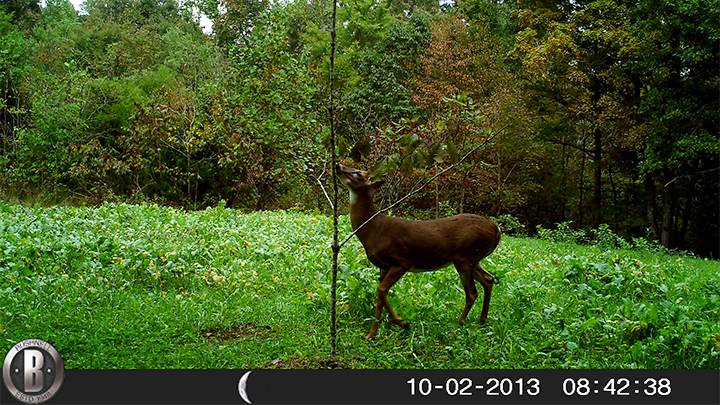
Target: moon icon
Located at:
point(242, 387)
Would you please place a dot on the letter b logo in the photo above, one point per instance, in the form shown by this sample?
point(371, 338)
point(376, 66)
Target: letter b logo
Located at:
point(34, 377)
point(33, 371)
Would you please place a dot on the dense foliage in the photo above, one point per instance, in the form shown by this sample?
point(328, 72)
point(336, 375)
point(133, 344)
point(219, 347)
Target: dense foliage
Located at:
point(609, 108)
point(218, 281)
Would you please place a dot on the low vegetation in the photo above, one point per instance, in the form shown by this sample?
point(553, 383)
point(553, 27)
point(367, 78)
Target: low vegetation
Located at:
point(605, 111)
point(145, 286)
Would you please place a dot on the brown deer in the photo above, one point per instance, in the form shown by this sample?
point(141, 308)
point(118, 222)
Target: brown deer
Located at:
point(398, 245)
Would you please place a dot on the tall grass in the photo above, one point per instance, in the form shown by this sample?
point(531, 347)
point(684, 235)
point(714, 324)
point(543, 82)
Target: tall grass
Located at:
point(123, 286)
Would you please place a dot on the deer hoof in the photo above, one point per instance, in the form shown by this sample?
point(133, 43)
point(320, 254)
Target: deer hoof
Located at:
point(402, 323)
point(483, 321)
point(373, 331)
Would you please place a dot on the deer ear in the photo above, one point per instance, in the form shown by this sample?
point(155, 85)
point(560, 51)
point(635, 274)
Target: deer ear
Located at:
point(377, 184)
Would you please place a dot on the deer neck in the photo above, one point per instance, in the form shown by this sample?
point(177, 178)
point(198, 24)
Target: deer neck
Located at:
point(361, 208)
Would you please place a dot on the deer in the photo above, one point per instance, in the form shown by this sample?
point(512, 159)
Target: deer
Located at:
point(397, 246)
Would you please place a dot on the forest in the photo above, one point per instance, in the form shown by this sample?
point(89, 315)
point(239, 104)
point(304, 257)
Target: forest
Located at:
point(603, 113)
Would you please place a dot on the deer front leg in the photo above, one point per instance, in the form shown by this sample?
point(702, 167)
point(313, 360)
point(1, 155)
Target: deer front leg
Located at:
point(388, 279)
point(466, 276)
point(378, 313)
point(487, 280)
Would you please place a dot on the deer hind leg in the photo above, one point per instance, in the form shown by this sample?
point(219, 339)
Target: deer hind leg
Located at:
point(388, 279)
point(487, 280)
point(465, 271)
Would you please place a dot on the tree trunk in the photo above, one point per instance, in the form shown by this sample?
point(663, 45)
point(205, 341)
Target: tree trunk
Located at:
point(668, 209)
point(581, 211)
point(651, 207)
point(597, 178)
point(563, 182)
point(680, 238)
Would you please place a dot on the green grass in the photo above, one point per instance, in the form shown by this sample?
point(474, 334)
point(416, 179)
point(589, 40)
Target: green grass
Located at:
point(124, 286)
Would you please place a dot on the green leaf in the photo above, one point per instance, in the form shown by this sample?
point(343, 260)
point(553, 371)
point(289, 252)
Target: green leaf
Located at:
point(452, 152)
point(440, 154)
point(379, 169)
point(421, 159)
point(406, 167)
point(408, 143)
point(393, 163)
point(361, 150)
point(636, 351)
point(518, 314)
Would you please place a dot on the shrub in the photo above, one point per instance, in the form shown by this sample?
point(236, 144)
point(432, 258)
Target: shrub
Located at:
point(605, 238)
point(563, 233)
point(510, 225)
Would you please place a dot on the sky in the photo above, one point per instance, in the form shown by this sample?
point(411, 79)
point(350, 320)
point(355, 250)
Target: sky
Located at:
point(76, 3)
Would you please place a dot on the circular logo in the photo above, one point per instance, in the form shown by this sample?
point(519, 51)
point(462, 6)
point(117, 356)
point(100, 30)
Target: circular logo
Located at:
point(33, 371)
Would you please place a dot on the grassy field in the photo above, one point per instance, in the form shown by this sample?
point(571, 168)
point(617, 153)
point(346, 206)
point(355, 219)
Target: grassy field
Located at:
point(124, 286)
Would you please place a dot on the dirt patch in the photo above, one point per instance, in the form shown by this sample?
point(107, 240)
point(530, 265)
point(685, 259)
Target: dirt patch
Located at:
point(313, 362)
point(233, 332)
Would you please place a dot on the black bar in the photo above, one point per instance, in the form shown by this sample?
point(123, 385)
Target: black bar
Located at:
point(388, 387)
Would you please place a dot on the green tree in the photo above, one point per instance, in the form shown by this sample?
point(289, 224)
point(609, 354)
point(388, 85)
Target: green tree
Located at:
point(675, 64)
point(25, 13)
point(497, 18)
point(237, 21)
point(13, 61)
point(270, 97)
point(382, 93)
point(138, 12)
point(566, 80)
point(631, 87)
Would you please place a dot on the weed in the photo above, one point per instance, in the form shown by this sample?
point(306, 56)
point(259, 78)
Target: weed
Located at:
point(144, 286)
point(510, 225)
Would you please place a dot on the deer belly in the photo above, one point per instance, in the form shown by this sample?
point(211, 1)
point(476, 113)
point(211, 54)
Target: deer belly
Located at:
point(414, 265)
point(422, 270)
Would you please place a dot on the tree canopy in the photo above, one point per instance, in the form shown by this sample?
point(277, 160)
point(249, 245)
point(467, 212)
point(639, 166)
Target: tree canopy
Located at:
point(609, 107)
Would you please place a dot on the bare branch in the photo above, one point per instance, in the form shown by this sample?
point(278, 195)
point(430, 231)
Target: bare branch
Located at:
point(332, 206)
point(421, 187)
point(690, 176)
point(568, 144)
